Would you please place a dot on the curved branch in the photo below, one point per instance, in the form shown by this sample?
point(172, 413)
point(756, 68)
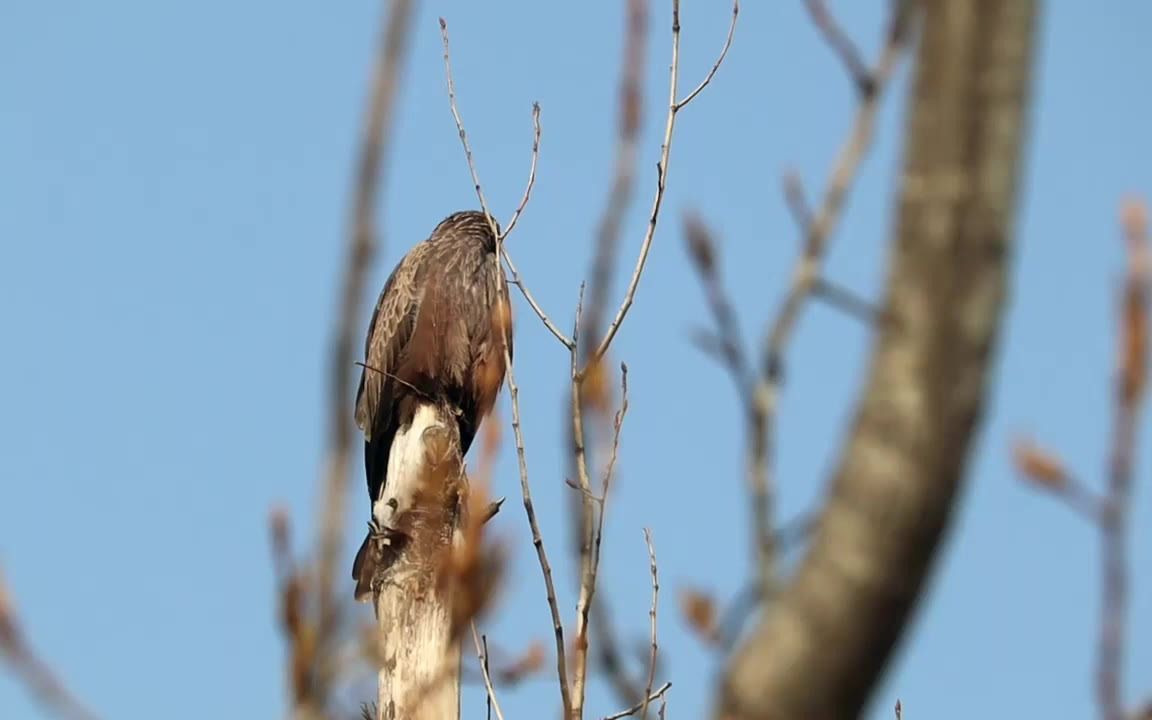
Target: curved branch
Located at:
point(823, 644)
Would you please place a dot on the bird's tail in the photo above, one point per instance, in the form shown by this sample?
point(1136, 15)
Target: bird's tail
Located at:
point(364, 569)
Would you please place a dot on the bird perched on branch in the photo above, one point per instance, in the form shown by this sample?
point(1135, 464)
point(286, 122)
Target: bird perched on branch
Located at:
point(436, 338)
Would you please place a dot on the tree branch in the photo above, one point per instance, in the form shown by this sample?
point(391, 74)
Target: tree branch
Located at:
point(375, 143)
point(34, 672)
point(674, 107)
point(652, 621)
point(823, 643)
point(1131, 382)
point(805, 279)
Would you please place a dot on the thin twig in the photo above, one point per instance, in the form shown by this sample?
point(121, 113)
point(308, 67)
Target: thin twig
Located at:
point(716, 65)
point(623, 184)
point(500, 236)
point(652, 621)
point(658, 694)
point(537, 538)
point(586, 522)
point(463, 135)
point(482, 656)
point(606, 482)
point(531, 171)
point(41, 680)
point(1131, 380)
point(805, 278)
point(846, 301)
point(375, 143)
point(842, 45)
point(515, 279)
point(607, 641)
point(725, 343)
point(674, 107)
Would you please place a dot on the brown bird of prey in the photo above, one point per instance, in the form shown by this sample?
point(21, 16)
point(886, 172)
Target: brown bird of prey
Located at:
point(436, 339)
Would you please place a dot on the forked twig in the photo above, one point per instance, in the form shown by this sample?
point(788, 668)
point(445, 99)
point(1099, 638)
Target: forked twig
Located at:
point(674, 107)
point(482, 656)
point(500, 236)
point(805, 279)
point(658, 694)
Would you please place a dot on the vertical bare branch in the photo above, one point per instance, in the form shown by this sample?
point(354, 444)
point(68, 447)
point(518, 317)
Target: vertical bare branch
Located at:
point(537, 538)
point(805, 279)
point(482, 656)
point(1131, 376)
point(652, 621)
point(369, 180)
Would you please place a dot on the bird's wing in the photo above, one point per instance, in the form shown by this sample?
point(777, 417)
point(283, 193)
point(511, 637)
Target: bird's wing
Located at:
point(388, 335)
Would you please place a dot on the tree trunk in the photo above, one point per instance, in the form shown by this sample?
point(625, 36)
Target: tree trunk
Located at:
point(823, 644)
point(419, 654)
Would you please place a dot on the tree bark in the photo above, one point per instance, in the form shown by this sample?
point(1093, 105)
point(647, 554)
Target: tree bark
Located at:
point(419, 651)
point(822, 645)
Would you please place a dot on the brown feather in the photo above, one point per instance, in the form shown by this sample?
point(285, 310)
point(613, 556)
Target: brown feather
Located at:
point(435, 336)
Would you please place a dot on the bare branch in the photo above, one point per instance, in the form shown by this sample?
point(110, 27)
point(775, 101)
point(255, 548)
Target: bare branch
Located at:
point(725, 343)
point(805, 279)
point(482, 656)
point(531, 171)
point(39, 677)
point(623, 183)
point(369, 179)
point(652, 621)
point(586, 524)
point(842, 45)
point(846, 301)
point(515, 280)
point(719, 61)
point(464, 136)
point(661, 174)
point(892, 496)
point(606, 483)
point(1131, 381)
point(537, 539)
point(500, 236)
point(656, 695)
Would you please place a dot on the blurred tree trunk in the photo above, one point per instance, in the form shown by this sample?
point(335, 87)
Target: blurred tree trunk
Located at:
point(823, 643)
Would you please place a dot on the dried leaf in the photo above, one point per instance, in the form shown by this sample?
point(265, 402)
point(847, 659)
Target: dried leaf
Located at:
point(700, 613)
point(701, 247)
point(530, 662)
point(596, 387)
point(1133, 350)
point(1039, 466)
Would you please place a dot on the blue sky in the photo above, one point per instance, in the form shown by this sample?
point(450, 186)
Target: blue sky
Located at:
point(172, 202)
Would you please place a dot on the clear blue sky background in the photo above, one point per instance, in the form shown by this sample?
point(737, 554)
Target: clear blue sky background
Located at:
point(173, 192)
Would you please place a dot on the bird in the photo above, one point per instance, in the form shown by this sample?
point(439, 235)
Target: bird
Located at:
point(436, 338)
